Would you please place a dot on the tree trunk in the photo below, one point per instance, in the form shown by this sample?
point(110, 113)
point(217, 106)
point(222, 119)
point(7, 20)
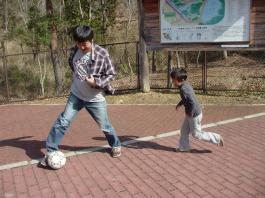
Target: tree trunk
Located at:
point(185, 59)
point(54, 51)
point(42, 72)
point(178, 59)
point(80, 8)
point(5, 70)
point(5, 16)
point(90, 10)
point(103, 15)
point(198, 58)
point(126, 51)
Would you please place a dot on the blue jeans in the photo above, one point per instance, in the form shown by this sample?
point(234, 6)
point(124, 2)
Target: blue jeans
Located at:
point(97, 110)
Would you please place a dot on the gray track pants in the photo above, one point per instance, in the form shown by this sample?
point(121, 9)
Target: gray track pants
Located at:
point(193, 126)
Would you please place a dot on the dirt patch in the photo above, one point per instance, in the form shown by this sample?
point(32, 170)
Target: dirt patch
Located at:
point(169, 97)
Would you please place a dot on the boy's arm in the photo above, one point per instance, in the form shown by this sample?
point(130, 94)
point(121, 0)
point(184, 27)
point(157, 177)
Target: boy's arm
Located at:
point(180, 103)
point(108, 76)
point(184, 96)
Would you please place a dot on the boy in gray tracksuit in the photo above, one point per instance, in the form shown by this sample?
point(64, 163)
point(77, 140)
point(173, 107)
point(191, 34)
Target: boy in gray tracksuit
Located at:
point(192, 122)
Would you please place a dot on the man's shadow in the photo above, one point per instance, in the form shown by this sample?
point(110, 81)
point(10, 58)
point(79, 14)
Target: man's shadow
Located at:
point(150, 145)
point(33, 147)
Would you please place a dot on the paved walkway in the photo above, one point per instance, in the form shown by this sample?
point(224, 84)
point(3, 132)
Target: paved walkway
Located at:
point(149, 168)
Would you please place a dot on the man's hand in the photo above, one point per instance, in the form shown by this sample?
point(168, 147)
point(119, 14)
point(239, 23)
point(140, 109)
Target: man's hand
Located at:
point(91, 81)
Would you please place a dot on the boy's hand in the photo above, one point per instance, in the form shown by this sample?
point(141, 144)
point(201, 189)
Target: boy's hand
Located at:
point(91, 81)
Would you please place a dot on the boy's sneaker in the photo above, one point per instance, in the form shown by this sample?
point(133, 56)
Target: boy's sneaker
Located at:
point(116, 151)
point(183, 150)
point(43, 161)
point(221, 143)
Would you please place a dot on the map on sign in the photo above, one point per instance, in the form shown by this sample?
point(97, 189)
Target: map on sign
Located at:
point(204, 20)
point(199, 12)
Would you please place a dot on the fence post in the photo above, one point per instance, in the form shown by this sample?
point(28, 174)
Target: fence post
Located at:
point(143, 58)
point(204, 73)
point(138, 66)
point(153, 61)
point(5, 71)
point(169, 68)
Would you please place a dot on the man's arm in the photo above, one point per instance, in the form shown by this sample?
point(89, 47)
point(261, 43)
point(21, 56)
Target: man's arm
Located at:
point(109, 74)
point(72, 53)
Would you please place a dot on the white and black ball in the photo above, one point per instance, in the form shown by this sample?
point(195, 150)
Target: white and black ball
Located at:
point(56, 159)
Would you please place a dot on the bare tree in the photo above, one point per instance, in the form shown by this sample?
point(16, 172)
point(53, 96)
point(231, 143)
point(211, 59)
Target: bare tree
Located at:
point(3, 46)
point(42, 72)
point(5, 16)
point(80, 9)
point(126, 52)
point(198, 58)
point(54, 50)
point(185, 59)
point(178, 59)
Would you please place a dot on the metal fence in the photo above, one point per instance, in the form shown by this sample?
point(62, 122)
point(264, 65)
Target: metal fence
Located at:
point(27, 76)
point(212, 71)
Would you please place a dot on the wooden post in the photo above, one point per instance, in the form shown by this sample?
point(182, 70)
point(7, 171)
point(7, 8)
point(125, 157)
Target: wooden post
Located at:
point(143, 59)
point(144, 69)
point(5, 71)
point(169, 68)
point(204, 74)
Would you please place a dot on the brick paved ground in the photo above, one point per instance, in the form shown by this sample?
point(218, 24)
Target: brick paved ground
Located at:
point(153, 169)
point(24, 128)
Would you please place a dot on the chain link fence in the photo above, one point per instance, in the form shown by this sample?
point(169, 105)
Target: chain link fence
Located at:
point(226, 71)
point(27, 76)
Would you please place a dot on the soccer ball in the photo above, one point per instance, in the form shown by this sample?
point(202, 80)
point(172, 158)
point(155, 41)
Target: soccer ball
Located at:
point(56, 159)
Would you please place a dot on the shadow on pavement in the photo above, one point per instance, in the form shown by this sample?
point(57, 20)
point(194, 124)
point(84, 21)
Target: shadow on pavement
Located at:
point(33, 147)
point(151, 145)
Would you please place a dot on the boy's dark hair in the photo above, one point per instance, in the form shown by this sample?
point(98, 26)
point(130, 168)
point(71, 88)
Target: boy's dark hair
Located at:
point(179, 74)
point(83, 33)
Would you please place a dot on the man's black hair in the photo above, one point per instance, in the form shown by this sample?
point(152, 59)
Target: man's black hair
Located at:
point(83, 33)
point(179, 74)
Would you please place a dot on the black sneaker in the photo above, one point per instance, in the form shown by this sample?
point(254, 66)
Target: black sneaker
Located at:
point(43, 161)
point(116, 152)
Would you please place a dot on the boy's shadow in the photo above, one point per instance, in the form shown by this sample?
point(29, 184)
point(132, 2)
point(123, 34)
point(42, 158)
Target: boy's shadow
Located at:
point(150, 145)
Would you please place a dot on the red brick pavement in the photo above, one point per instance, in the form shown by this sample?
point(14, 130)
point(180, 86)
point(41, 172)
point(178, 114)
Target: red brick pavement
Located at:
point(153, 169)
point(23, 128)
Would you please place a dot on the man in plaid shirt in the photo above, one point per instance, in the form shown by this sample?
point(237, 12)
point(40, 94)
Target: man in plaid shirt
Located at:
point(94, 66)
point(92, 74)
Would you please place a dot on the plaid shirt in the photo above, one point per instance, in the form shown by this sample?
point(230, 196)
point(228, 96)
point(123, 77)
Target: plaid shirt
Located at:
point(100, 66)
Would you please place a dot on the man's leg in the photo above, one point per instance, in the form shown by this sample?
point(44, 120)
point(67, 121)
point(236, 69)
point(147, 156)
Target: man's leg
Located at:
point(98, 110)
point(195, 125)
point(184, 144)
point(63, 122)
